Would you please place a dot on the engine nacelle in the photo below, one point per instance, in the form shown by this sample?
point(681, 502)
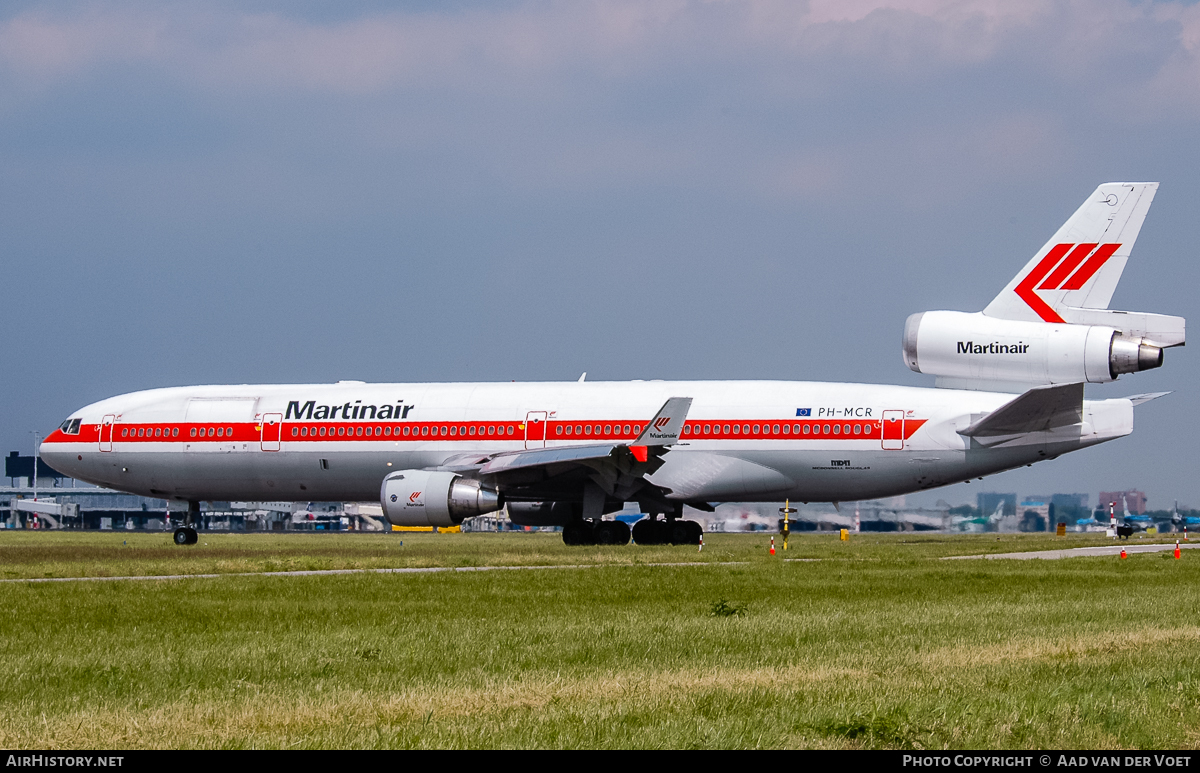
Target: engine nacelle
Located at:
point(973, 350)
point(433, 498)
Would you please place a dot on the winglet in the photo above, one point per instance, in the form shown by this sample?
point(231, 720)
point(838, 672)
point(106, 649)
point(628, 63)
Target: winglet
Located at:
point(664, 428)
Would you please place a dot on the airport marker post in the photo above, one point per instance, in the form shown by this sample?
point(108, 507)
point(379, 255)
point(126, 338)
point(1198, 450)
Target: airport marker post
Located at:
point(787, 510)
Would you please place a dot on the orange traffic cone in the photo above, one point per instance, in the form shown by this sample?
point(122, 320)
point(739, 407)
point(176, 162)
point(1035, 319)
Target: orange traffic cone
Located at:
point(772, 545)
point(1177, 548)
point(1123, 555)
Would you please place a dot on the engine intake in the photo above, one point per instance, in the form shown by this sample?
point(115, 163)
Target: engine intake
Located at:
point(974, 351)
point(434, 498)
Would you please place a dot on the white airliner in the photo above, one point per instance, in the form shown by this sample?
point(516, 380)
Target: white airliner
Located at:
point(1009, 393)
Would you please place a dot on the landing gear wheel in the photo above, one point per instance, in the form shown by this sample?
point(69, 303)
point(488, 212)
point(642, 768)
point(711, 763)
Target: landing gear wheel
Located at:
point(681, 533)
point(186, 536)
point(579, 533)
point(648, 531)
point(697, 532)
point(612, 533)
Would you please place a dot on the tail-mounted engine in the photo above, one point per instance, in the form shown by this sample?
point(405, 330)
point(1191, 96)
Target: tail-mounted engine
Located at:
point(976, 351)
point(431, 498)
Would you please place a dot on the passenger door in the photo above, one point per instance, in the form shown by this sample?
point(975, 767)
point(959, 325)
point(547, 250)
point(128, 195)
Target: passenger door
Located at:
point(106, 432)
point(272, 430)
point(535, 429)
point(893, 430)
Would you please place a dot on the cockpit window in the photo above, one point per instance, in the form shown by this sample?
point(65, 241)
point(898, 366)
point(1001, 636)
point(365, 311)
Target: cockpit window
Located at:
point(70, 427)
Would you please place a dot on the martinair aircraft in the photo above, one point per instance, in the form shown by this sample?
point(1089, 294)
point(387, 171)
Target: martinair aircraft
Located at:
point(1009, 393)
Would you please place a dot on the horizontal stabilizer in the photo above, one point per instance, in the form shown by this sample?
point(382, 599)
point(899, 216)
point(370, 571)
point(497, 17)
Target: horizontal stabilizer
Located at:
point(1145, 398)
point(1039, 410)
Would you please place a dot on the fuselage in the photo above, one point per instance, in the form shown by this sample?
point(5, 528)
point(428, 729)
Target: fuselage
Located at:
point(743, 440)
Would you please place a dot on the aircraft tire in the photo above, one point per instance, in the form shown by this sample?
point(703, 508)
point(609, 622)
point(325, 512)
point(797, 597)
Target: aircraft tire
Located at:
point(579, 533)
point(606, 533)
point(697, 532)
point(646, 532)
point(186, 536)
point(612, 533)
point(681, 533)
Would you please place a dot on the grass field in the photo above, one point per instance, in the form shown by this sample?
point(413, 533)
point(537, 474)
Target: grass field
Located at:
point(876, 644)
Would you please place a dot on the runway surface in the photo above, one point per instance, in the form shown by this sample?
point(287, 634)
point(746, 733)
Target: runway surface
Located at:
point(1101, 550)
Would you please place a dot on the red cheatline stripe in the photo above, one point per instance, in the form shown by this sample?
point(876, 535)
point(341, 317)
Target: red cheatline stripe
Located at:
point(1067, 266)
point(1025, 288)
point(1098, 259)
point(251, 432)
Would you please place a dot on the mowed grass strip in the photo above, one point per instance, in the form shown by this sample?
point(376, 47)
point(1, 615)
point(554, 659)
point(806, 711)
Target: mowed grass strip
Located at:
point(31, 554)
point(883, 649)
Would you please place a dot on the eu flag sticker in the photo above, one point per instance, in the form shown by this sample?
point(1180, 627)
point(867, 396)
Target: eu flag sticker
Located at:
point(804, 411)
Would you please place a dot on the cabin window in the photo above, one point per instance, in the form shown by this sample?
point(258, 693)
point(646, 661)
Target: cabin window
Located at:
point(805, 429)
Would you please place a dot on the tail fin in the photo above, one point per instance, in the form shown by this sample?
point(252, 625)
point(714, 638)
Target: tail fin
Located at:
point(1078, 269)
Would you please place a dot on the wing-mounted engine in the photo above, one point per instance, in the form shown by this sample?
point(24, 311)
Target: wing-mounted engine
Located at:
point(1051, 324)
point(435, 498)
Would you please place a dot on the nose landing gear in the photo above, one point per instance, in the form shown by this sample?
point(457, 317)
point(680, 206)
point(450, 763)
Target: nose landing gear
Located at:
point(186, 535)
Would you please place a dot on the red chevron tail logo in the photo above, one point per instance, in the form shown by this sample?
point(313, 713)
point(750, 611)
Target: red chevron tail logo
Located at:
point(662, 422)
point(1061, 270)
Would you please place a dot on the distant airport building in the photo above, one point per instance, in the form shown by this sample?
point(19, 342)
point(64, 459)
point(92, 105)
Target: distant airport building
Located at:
point(1131, 502)
point(1077, 501)
point(1035, 514)
point(989, 501)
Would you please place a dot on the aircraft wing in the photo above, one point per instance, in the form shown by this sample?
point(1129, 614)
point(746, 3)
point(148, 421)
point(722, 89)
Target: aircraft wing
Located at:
point(619, 469)
point(540, 457)
point(1039, 410)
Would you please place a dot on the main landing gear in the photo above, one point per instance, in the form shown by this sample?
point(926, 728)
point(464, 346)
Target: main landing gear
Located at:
point(588, 532)
point(186, 535)
point(670, 531)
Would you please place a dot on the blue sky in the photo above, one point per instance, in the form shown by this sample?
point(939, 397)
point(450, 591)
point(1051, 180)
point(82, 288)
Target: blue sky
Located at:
point(277, 192)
